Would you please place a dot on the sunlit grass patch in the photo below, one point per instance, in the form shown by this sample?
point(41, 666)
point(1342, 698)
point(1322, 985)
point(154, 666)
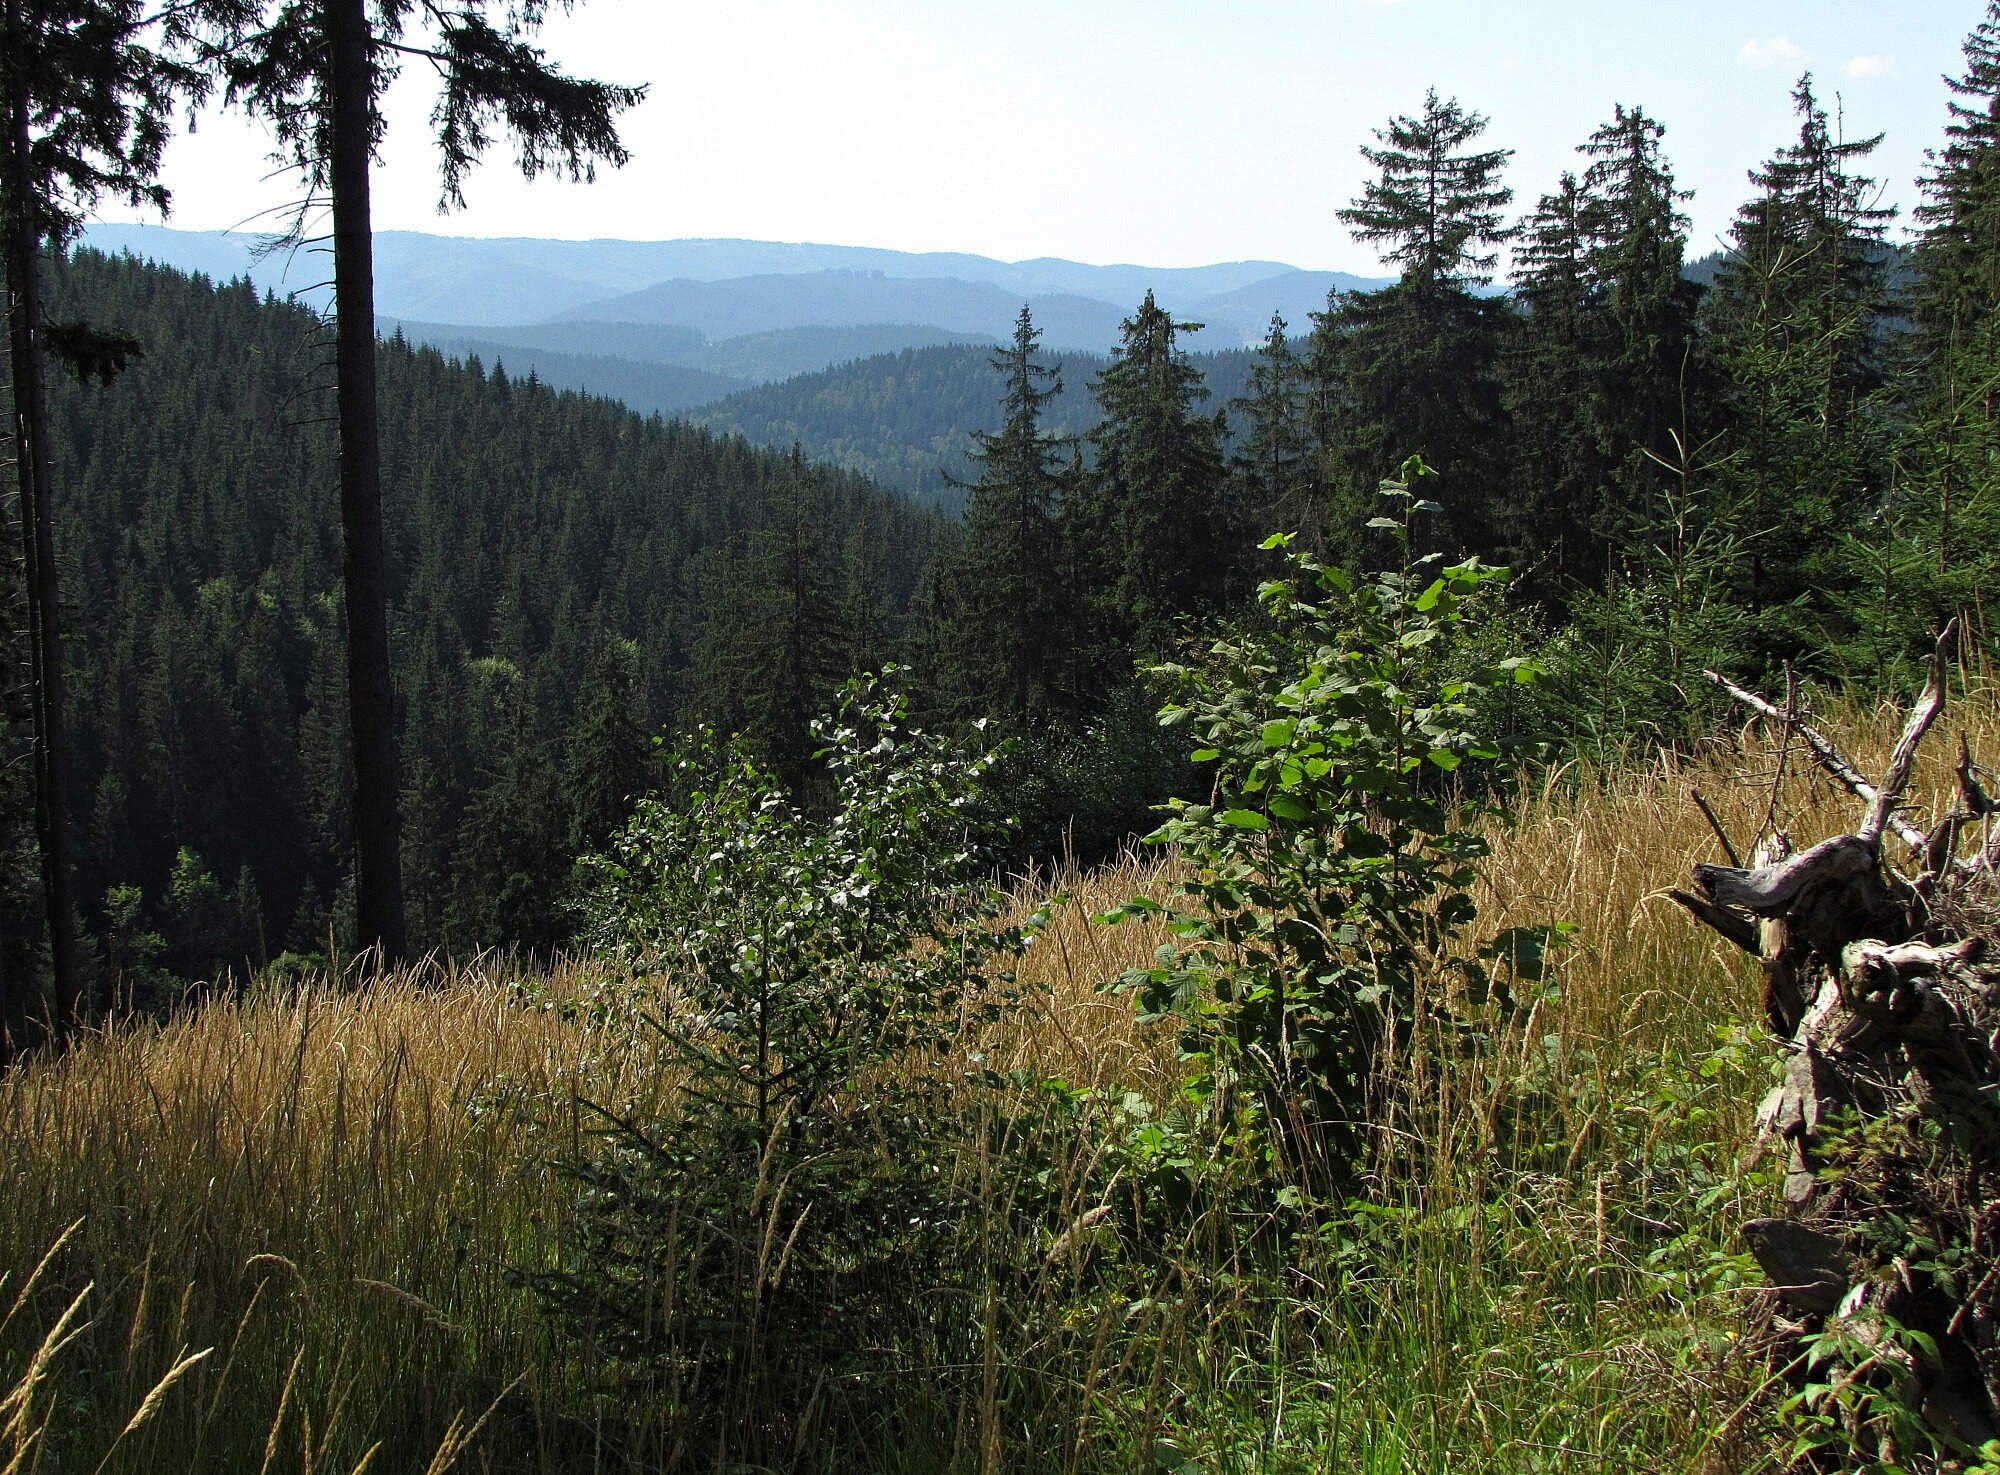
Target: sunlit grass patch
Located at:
point(331, 1189)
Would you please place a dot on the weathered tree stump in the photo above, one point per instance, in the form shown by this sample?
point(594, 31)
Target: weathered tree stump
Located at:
point(1886, 1263)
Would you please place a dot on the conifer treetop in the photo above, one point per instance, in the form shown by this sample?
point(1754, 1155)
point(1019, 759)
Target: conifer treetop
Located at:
point(1434, 208)
point(272, 59)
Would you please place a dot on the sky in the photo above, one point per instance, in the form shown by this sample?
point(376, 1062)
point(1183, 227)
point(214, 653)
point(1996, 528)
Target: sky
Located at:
point(1157, 132)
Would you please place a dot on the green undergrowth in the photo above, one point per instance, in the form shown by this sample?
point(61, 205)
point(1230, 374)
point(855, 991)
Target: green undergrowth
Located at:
point(1531, 1276)
point(841, 1157)
point(1539, 1301)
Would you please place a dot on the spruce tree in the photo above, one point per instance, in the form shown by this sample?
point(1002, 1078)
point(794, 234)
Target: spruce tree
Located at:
point(316, 69)
point(1958, 253)
point(771, 649)
point(1794, 328)
point(865, 617)
point(1554, 518)
point(1000, 581)
point(1411, 367)
point(609, 766)
point(1948, 519)
point(510, 858)
point(1276, 470)
point(1151, 527)
point(1613, 486)
point(1637, 338)
point(1597, 366)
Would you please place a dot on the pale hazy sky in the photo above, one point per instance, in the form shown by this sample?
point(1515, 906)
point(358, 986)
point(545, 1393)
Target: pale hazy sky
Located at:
point(1162, 132)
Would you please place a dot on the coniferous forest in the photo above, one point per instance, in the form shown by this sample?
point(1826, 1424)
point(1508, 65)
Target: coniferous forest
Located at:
point(565, 579)
point(1778, 467)
point(749, 772)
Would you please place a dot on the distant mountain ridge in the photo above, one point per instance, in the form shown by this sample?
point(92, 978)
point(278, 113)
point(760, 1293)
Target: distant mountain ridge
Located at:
point(481, 283)
point(845, 299)
point(676, 327)
point(488, 282)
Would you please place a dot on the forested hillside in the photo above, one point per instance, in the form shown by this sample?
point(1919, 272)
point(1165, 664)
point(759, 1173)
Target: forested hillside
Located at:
point(909, 419)
point(649, 386)
point(566, 578)
point(1681, 476)
point(653, 367)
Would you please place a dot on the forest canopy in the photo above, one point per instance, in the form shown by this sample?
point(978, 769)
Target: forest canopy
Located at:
point(1783, 455)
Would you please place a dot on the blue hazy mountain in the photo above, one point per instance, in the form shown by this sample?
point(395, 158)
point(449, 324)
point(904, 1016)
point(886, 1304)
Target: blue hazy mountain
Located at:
point(474, 282)
point(1243, 314)
point(847, 299)
point(671, 325)
point(767, 358)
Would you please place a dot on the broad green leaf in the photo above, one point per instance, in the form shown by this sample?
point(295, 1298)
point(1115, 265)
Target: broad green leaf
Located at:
point(1245, 819)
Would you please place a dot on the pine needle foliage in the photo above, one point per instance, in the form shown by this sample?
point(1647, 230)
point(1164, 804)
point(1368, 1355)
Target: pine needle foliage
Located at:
point(1009, 608)
point(797, 1190)
point(1412, 367)
point(1434, 206)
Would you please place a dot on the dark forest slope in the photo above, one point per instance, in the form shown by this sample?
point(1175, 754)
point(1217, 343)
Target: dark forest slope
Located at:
point(556, 563)
point(652, 387)
point(906, 419)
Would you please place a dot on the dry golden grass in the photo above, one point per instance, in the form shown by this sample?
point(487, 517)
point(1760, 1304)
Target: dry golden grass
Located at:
point(327, 1185)
point(1596, 848)
point(1601, 849)
point(279, 1119)
point(1073, 1029)
point(331, 1179)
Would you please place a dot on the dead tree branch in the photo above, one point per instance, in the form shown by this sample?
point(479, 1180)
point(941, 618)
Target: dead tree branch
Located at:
point(1829, 757)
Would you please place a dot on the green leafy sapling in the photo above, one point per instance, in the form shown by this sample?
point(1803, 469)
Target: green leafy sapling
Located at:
point(820, 978)
point(797, 953)
point(1328, 881)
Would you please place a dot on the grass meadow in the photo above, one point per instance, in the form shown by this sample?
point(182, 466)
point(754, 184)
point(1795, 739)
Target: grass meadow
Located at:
point(287, 1229)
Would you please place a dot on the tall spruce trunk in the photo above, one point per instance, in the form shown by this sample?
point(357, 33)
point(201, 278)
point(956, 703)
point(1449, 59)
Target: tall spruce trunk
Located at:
point(378, 879)
point(31, 436)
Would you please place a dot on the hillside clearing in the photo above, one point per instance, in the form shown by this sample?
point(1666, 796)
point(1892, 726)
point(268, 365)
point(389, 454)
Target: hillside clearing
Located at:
point(332, 1187)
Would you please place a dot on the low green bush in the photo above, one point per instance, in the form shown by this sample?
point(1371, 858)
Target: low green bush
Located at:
point(1329, 875)
point(784, 1249)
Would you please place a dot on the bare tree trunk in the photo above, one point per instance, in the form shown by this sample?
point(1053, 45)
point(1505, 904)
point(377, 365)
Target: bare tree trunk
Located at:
point(370, 686)
point(31, 431)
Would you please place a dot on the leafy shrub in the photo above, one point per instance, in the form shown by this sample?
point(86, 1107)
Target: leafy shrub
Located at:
point(750, 1256)
point(1330, 873)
